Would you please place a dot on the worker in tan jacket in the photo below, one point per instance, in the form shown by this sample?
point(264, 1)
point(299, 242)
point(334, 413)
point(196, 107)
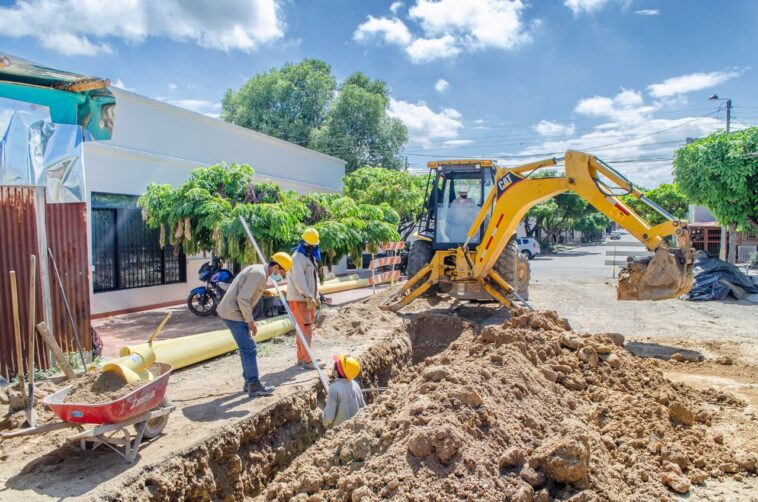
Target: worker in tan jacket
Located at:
point(236, 309)
point(302, 290)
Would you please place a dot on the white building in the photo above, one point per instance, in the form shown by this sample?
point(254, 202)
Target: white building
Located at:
point(138, 142)
point(154, 142)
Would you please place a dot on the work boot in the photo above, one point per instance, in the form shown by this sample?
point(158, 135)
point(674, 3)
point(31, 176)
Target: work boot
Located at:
point(259, 389)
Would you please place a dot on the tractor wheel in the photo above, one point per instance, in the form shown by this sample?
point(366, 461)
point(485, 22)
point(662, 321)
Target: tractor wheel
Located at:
point(419, 257)
point(514, 268)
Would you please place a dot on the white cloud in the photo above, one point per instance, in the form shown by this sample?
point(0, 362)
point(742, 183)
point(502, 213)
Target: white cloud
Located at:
point(548, 128)
point(446, 28)
point(626, 107)
point(630, 131)
point(423, 50)
point(392, 31)
point(457, 142)
point(120, 84)
point(628, 97)
point(580, 6)
point(396, 6)
point(204, 106)
point(172, 87)
point(82, 27)
point(691, 82)
point(475, 23)
point(647, 12)
point(425, 126)
point(69, 44)
point(441, 85)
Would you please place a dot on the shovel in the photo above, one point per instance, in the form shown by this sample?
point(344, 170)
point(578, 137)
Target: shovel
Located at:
point(134, 367)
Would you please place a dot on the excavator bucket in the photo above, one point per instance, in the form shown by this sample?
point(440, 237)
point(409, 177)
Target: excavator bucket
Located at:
point(667, 274)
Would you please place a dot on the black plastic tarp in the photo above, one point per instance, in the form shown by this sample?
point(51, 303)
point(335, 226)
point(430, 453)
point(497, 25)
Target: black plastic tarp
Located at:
point(710, 275)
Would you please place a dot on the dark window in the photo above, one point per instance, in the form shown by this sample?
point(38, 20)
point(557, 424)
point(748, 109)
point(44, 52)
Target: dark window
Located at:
point(125, 252)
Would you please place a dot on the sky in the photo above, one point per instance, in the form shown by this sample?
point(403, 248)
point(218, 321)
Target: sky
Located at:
point(513, 80)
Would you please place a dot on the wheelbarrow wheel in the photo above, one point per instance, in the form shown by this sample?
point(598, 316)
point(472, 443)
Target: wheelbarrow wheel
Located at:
point(155, 426)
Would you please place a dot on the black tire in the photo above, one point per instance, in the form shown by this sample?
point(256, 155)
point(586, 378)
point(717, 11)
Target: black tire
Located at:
point(514, 268)
point(154, 427)
point(419, 256)
point(202, 304)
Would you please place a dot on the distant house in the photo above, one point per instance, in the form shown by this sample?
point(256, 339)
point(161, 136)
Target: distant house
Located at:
point(706, 235)
point(130, 141)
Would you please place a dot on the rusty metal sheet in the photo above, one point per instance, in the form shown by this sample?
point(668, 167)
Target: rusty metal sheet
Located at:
point(18, 242)
point(67, 237)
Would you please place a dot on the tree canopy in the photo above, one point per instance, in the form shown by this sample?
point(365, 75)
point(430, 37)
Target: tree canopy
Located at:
point(668, 196)
point(202, 215)
point(399, 189)
point(301, 103)
point(720, 172)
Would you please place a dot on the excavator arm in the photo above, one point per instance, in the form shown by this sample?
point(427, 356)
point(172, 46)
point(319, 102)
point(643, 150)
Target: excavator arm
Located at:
point(666, 275)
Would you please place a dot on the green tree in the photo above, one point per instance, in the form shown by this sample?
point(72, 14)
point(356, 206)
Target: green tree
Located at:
point(287, 102)
point(358, 128)
point(720, 172)
point(666, 195)
point(203, 215)
point(398, 189)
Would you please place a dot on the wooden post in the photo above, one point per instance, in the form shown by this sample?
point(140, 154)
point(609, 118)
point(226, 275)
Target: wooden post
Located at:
point(32, 316)
point(58, 354)
point(17, 333)
point(31, 414)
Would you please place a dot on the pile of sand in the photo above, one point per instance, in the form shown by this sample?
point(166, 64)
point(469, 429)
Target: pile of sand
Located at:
point(526, 411)
point(100, 387)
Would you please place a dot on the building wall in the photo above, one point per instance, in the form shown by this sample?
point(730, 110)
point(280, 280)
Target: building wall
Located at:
point(154, 142)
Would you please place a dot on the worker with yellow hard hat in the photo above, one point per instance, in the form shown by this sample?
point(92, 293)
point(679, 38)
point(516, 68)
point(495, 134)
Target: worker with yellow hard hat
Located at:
point(236, 309)
point(345, 397)
point(302, 290)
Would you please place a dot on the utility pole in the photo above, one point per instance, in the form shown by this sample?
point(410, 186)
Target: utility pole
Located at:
point(724, 229)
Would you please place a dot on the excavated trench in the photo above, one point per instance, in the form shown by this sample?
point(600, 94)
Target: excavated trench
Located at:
point(241, 460)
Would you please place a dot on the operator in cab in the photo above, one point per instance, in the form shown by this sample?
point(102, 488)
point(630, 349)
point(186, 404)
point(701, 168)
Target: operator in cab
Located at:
point(463, 200)
point(236, 309)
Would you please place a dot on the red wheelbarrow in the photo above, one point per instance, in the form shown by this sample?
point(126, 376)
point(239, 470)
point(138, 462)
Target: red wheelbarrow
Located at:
point(146, 408)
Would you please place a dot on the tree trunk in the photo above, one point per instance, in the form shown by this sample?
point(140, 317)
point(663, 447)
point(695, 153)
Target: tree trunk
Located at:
point(732, 236)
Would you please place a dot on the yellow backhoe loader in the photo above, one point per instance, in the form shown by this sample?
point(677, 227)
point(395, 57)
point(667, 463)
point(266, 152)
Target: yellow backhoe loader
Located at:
point(467, 248)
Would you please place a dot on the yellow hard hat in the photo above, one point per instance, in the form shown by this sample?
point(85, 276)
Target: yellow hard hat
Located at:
point(347, 366)
point(283, 259)
point(310, 236)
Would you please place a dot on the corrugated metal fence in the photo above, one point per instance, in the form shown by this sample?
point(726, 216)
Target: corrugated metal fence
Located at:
point(67, 238)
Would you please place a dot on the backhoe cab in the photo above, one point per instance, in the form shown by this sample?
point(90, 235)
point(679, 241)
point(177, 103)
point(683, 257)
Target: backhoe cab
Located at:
point(467, 246)
point(456, 191)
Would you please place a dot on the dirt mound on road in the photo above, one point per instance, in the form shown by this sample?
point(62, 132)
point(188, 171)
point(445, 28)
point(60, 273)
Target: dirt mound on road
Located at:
point(528, 411)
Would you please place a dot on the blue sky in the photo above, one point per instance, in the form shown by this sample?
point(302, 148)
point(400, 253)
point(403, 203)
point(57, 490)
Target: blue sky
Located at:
point(507, 79)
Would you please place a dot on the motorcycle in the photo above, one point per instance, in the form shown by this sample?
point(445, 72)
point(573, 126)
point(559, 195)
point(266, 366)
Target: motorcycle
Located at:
point(203, 300)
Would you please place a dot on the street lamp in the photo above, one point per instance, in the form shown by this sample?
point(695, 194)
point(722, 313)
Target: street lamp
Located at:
point(715, 97)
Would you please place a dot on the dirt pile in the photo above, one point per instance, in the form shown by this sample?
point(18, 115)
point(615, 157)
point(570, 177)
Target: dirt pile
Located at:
point(526, 411)
point(100, 387)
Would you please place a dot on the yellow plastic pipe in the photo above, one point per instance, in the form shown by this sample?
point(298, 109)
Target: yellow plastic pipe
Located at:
point(326, 284)
point(187, 350)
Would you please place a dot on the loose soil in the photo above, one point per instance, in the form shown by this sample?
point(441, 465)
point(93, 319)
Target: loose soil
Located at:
point(526, 410)
point(100, 387)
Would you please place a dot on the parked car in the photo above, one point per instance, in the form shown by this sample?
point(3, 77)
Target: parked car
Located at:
point(528, 247)
point(615, 236)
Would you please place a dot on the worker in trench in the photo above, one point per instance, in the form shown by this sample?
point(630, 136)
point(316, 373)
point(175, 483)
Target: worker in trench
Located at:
point(345, 397)
point(236, 309)
point(302, 291)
